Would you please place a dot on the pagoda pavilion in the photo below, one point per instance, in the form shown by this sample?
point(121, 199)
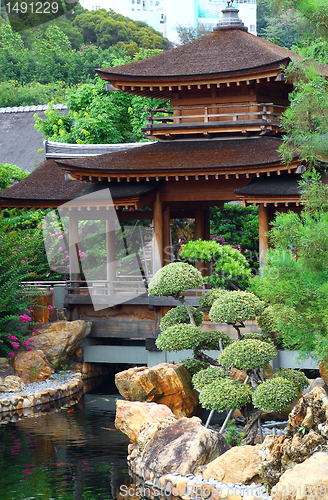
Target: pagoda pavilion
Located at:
point(217, 142)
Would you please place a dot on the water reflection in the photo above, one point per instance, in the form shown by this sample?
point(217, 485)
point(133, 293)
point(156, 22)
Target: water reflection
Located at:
point(72, 454)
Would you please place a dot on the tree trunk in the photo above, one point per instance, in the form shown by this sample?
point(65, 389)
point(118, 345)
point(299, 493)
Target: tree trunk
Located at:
point(251, 428)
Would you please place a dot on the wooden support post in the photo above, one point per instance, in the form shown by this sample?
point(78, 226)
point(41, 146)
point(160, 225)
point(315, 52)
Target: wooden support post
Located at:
point(110, 251)
point(263, 229)
point(166, 236)
point(158, 234)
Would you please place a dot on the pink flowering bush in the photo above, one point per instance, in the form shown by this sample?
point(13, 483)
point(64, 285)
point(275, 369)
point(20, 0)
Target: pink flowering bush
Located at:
point(18, 258)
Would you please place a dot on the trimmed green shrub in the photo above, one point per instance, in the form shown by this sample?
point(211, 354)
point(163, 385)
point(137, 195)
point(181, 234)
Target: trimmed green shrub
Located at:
point(204, 377)
point(257, 336)
point(208, 298)
point(223, 394)
point(180, 315)
point(174, 280)
point(247, 354)
point(193, 365)
point(236, 307)
point(274, 394)
point(267, 320)
point(230, 268)
point(210, 340)
point(179, 337)
point(296, 376)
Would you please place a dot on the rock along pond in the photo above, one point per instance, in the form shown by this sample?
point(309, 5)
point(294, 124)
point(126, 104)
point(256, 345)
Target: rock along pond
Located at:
point(71, 454)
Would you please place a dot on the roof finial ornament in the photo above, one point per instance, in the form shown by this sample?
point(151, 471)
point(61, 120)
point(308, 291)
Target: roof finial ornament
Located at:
point(230, 19)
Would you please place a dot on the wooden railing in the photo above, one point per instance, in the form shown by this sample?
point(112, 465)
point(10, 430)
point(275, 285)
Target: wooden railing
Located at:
point(267, 112)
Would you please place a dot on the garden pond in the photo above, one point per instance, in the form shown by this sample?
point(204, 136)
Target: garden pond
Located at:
point(71, 454)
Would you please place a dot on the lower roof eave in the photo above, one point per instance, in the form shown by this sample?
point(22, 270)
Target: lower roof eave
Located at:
point(162, 174)
point(270, 200)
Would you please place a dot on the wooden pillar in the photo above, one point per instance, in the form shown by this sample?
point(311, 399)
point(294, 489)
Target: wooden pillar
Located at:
point(110, 250)
point(73, 226)
point(158, 234)
point(166, 236)
point(263, 229)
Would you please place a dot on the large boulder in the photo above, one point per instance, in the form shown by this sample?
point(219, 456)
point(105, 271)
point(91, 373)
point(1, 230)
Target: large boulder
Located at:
point(241, 464)
point(181, 447)
point(166, 383)
point(307, 431)
point(60, 339)
point(132, 417)
point(32, 366)
point(11, 384)
point(304, 481)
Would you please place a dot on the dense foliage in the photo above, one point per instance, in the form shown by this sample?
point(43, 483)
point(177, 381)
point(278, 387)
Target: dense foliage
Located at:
point(97, 116)
point(248, 354)
point(9, 174)
point(230, 268)
point(296, 376)
point(306, 119)
point(209, 297)
point(180, 315)
point(20, 259)
point(294, 278)
point(204, 377)
point(179, 337)
point(222, 394)
point(236, 307)
point(69, 50)
point(274, 394)
point(174, 280)
point(237, 226)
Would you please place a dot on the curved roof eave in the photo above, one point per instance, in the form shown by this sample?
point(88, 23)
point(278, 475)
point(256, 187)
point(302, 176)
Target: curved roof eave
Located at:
point(113, 77)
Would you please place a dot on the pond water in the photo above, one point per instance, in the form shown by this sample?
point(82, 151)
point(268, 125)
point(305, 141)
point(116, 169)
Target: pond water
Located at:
point(72, 454)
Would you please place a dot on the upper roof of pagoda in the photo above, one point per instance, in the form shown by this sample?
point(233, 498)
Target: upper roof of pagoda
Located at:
point(225, 53)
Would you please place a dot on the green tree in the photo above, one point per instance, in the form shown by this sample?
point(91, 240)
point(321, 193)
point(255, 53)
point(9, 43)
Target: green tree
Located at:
point(294, 277)
point(9, 174)
point(188, 33)
point(306, 120)
point(230, 268)
point(315, 13)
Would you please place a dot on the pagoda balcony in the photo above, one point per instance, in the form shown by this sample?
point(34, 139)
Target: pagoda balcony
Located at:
point(250, 118)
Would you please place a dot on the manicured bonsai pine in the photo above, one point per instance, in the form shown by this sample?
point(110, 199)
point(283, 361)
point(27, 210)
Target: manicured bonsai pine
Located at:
point(224, 394)
point(296, 376)
point(179, 325)
point(274, 394)
point(204, 377)
point(180, 315)
point(236, 307)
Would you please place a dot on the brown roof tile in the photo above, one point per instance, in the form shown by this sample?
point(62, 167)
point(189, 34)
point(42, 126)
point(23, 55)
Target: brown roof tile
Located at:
point(220, 53)
point(174, 156)
point(47, 184)
point(275, 185)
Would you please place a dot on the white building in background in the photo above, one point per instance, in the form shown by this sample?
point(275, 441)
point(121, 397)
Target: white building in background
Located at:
point(166, 15)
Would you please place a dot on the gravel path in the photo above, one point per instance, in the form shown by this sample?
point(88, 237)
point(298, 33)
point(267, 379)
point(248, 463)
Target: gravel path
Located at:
point(32, 388)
